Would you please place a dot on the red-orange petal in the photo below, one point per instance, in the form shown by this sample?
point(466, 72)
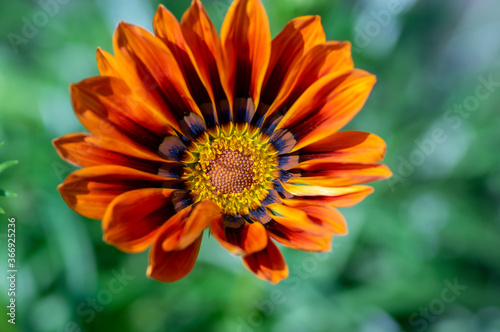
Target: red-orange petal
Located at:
point(300, 240)
point(138, 80)
point(203, 40)
point(336, 197)
point(267, 264)
point(332, 59)
point(326, 106)
point(246, 47)
point(132, 220)
point(169, 266)
point(343, 147)
point(155, 66)
point(340, 175)
point(287, 48)
point(106, 63)
point(107, 107)
point(293, 228)
point(184, 227)
point(85, 150)
point(90, 190)
point(247, 239)
point(168, 29)
point(293, 219)
point(328, 217)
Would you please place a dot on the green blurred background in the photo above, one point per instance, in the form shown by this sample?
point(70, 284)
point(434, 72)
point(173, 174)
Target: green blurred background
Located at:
point(423, 252)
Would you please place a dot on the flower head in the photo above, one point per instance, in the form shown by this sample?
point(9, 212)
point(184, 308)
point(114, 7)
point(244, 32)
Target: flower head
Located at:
point(237, 134)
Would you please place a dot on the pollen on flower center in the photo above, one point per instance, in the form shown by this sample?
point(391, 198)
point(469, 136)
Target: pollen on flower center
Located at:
point(233, 167)
point(231, 172)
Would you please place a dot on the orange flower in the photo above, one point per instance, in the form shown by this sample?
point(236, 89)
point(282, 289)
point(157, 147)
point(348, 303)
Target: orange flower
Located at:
point(237, 134)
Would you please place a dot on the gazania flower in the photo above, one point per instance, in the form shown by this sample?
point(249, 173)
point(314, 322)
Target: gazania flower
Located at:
point(237, 135)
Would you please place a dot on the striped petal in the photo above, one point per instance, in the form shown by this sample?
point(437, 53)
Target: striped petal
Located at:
point(300, 240)
point(267, 264)
point(328, 217)
point(154, 66)
point(340, 175)
point(107, 107)
point(343, 147)
point(204, 42)
point(293, 219)
point(141, 83)
point(187, 225)
point(168, 29)
point(244, 240)
point(170, 266)
point(328, 59)
point(106, 64)
point(132, 220)
point(246, 47)
point(316, 195)
point(90, 190)
point(86, 150)
point(287, 48)
point(327, 106)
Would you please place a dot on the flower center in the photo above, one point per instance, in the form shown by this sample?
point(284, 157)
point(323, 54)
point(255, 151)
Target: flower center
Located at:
point(233, 167)
point(231, 172)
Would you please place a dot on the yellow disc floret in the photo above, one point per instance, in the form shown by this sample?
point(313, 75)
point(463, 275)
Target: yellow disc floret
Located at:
point(231, 166)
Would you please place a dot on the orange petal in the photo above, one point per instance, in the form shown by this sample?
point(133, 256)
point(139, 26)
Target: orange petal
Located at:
point(337, 197)
point(340, 175)
point(246, 47)
point(343, 147)
point(89, 191)
point(142, 87)
point(141, 84)
point(202, 38)
point(107, 107)
point(287, 48)
point(85, 150)
point(168, 29)
point(169, 266)
point(293, 219)
point(328, 217)
point(132, 220)
point(332, 59)
point(155, 66)
point(267, 264)
point(300, 240)
point(106, 63)
point(294, 228)
point(327, 106)
point(247, 239)
point(184, 227)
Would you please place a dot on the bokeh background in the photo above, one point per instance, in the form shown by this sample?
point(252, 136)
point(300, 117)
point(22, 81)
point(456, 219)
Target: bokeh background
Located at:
point(423, 252)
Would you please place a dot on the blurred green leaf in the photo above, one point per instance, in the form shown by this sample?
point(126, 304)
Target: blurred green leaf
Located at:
point(3, 167)
point(6, 193)
point(7, 164)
